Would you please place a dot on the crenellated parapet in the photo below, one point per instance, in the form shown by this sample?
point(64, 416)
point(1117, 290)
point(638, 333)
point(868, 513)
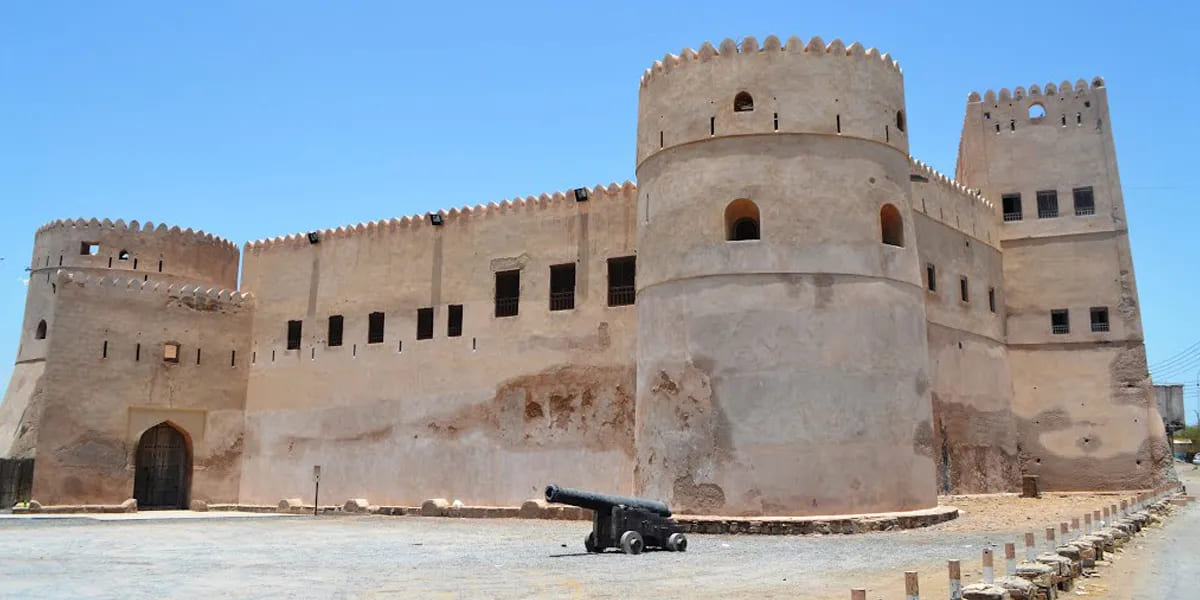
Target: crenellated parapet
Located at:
point(1050, 89)
point(527, 207)
point(955, 205)
point(98, 225)
point(776, 88)
point(127, 285)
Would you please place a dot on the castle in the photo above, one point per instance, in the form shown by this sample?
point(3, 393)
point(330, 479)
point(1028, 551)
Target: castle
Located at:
point(786, 315)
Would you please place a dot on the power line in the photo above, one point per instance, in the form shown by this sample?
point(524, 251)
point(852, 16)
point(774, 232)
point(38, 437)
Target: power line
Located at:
point(1176, 356)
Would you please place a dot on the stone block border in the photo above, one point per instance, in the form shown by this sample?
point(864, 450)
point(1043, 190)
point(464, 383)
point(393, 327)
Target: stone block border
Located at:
point(820, 524)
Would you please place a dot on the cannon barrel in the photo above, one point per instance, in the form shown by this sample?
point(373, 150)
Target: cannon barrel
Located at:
point(602, 502)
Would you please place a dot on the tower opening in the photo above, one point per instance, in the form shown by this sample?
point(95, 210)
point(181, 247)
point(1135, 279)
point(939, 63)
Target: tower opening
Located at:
point(741, 221)
point(1036, 111)
point(900, 120)
point(891, 225)
point(743, 102)
point(40, 334)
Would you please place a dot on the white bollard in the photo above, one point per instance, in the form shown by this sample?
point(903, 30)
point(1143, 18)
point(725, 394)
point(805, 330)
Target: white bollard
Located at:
point(989, 574)
point(911, 591)
point(1010, 559)
point(955, 580)
point(1030, 547)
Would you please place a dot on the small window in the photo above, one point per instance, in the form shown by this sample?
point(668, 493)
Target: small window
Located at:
point(137, 352)
point(454, 318)
point(424, 323)
point(891, 225)
point(1085, 202)
point(931, 277)
point(171, 352)
point(992, 299)
point(1036, 111)
point(123, 255)
point(336, 322)
point(293, 334)
point(622, 274)
point(963, 293)
point(1099, 319)
point(1060, 321)
point(1047, 201)
point(562, 287)
point(508, 293)
point(1012, 206)
point(375, 328)
point(89, 248)
point(899, 120)
point(741, 221)
point(40, 332)
point(743, 102)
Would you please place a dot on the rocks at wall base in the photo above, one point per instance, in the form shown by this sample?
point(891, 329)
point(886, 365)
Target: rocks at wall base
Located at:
point(290, 505)
point(356, 505)
point(1018, 588)
point(129, 506)
point(435, 507)
point(198, 506)
point(985, 591)
point(532, 508)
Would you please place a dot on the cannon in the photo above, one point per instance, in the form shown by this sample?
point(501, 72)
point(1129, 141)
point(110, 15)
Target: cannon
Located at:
point(631, 524)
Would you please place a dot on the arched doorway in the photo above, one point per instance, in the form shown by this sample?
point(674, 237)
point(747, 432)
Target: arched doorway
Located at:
point(164, 468)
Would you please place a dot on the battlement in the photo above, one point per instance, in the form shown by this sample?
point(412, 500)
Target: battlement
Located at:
point(135, 285)
point(516, 206)
point(135, 227)
point(928, 172)
point(1080, 87)
point(815, 47)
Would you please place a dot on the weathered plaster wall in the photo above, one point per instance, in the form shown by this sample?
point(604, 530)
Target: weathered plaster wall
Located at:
point(1083, 399)
point(488, 417)
point(974, 432)
point(785, 375)
point(97, 406)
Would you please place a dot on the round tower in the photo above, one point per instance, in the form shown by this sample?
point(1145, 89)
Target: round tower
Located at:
point(782, 364)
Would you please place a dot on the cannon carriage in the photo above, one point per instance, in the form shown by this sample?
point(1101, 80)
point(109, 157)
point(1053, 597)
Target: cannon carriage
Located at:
point(631, 524)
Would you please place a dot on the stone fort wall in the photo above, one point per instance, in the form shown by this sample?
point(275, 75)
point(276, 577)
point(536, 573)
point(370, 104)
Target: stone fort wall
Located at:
point(491, 416)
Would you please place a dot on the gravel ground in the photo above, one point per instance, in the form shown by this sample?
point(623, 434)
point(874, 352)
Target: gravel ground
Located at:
point(414, 557)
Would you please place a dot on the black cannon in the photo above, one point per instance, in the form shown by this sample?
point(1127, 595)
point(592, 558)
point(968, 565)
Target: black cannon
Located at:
point(631, 524)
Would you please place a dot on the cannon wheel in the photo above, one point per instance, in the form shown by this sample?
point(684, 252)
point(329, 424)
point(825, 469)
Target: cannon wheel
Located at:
point(677, 542)
point(589, 543)
point(631, 542)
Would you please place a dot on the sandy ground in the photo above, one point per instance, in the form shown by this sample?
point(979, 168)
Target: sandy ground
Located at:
point(413, 557)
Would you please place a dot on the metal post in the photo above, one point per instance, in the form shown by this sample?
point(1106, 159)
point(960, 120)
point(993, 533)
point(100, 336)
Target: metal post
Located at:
point(316, 489)
point(955, 580)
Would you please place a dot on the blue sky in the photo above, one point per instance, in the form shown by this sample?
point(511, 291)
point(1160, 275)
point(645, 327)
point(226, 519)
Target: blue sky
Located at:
point(253, 119)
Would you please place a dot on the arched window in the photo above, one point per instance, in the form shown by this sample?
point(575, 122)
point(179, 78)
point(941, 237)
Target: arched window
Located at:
point(123, 255)
point(741, 221)
point(891, 225)
point(743, 102)
point(1036, 111)
point(900, 120)
point(40, 334)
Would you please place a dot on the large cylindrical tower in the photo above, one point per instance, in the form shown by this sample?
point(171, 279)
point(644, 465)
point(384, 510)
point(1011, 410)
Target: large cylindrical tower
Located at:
point(782, 364)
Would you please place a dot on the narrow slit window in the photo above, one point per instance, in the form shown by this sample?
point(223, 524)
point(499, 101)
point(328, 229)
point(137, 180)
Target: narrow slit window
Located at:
point(375, 328)
point(454, 320)
point(294, 329)
point(425, 323)
point(1099, 319)
point(963, 289)
point(336, 323)
point(562, 287)
point(1060, 321)
point(1085, 202)
point(104, 350)
point(508, 293)
point(839, 123)
point(171, 352)
point(900, 120)
point(992, 299)
point(197, 356)
point(1012, 206)
point(40, 332)
point(1047, 201)
point(622, 275)
point(160, 266)
point(137, 352)
point(233, 358)
point(712, 126)
point(776, 121)
point(931, 277)
point(660, 138)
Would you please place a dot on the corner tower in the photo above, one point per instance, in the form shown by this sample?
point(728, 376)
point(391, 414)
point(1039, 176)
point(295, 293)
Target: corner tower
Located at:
point(1082, 397)
point(782, 365)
